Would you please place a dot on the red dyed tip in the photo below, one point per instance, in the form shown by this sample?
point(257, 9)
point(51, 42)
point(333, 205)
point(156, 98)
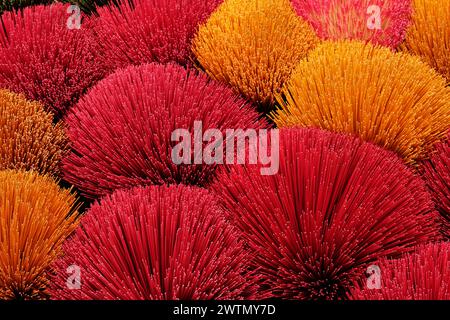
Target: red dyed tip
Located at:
point(154, 243)
point(437, 176)
point(44, 59)
point(121, 131)
point(421, 275)
point(336, 205)
point(151, 30)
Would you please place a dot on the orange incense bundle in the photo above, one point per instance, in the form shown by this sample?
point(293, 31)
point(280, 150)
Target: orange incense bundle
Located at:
point(30, 139)
point(35, 218)
point(429, 34)
point(391, 99)
point(253, 45)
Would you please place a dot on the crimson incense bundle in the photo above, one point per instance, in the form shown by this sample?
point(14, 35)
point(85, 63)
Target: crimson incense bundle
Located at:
point(144, 31)
point(154, 243)
point(41, 57)
point(121, 131)
point(421, 275)
point(437, 175)
point(336, 205)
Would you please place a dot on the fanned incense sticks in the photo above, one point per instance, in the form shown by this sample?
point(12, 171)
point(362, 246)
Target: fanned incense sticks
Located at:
point(29, 139)
point(121, 131)
point(382, 22)
point(155, 243)
point(253, 46)
point(429, 34)
point(36, 216)
point(421, 275)
point(237, 149)
point(44, 59)
point(145, 31)
point(336, 205)
point(437, 175)
point(391, 99)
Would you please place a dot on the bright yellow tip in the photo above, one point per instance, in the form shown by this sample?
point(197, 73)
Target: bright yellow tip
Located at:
point(429, 34)
point(253, 45)
point(36, 216)
point(391, 99)
point(29, 139)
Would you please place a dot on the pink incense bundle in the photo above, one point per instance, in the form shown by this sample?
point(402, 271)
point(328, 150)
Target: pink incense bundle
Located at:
point(121, 131)
point(421, 275)
point(382, 22)
point(46, 57)
point(154, 243)
point(336, 205)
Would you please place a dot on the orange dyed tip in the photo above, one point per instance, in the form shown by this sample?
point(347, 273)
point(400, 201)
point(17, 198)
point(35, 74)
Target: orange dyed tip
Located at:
point(391, 99)
point(36, 216)
point(253, 45)
point(29, 138)
point(429, 34)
